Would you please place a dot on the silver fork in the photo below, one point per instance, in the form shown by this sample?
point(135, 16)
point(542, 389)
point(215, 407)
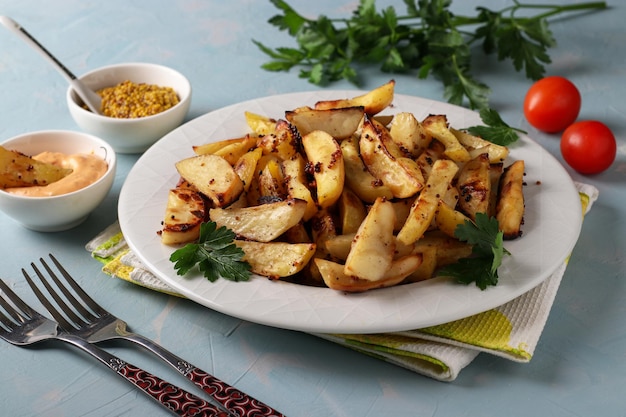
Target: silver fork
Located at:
point(21, 325)
point(90, 321)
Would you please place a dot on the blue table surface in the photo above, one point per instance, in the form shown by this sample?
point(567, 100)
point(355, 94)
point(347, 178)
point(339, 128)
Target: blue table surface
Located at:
point(579, 366)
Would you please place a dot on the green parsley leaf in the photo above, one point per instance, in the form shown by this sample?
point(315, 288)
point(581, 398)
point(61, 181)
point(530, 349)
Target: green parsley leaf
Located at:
point(426, 38)
point(214, 254)
point(487, 252)
point(496, 130)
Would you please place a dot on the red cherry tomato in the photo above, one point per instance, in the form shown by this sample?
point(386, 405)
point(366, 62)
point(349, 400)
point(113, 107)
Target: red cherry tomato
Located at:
point(588, 146)
point(552, 104)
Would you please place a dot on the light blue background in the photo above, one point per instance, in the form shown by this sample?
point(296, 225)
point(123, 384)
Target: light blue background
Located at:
point(579, 366)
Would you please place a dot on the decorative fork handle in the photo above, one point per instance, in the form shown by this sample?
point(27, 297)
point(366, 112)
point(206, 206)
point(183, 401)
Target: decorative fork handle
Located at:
point(230, 397)
point(176, 400)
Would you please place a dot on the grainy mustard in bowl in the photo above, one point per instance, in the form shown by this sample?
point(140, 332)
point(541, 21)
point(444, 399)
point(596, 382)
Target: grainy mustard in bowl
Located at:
point(142, 102)
point(128, 100)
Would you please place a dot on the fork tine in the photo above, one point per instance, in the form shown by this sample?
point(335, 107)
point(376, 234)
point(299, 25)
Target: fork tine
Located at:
point(63, 322)
point(6, 321)
point(68, 295)
point(25, 310)
point(95, 307)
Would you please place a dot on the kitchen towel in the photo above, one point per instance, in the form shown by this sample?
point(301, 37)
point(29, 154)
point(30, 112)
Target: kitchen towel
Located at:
point(511, 331)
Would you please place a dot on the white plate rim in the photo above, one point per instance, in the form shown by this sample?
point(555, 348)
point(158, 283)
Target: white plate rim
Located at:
point(552, 226)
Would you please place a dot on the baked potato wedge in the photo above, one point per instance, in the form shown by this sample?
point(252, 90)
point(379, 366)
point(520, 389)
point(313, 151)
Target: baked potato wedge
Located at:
point(259, 124)
point(425, 205)
point(385, 161)
point(282, 142)
point(352, 211)
point(437, 126)
point(230, 151)
point(409, 134)
point(497, 153)
point(510, 206)
point(447, 219)
point(184, 213)
point(358, 178)
point(245, 167)
point(339, 123)
point(335, 277)
point(474, 185)
point(276, 259)
point(296, 183)
point(374, 244)
point(373, 102)
point(326, 159)
point(213, 176)
point(262, 223)
point(19, 170)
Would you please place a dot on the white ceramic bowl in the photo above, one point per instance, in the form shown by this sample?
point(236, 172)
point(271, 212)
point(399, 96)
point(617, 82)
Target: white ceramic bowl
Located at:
point(62, 212)
point(131, 135)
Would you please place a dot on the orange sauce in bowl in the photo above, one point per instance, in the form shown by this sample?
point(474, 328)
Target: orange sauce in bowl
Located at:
point(86, 169)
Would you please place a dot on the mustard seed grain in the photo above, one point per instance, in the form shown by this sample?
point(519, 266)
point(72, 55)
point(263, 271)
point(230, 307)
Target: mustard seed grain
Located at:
point(128, 100)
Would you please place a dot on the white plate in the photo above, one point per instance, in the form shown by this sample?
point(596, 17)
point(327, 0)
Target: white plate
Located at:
point(551, 228)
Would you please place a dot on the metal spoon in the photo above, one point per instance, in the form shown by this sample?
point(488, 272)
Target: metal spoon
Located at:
point(89, 97)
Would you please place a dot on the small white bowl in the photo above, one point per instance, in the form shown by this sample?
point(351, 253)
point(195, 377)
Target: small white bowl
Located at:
point(62, 212)
point(138, 134)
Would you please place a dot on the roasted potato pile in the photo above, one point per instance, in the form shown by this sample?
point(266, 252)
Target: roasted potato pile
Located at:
point(337, 195)
point(19, 170)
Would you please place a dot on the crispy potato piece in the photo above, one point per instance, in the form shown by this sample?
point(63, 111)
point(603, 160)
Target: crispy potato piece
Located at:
point(270, 179)
point(213, 176)
point(409, 134)
point(497, 153)
point(19, 170)
point(212, 147)
point(245, 167)
point(449, 250)
point(231, 151)
point(184, 213)
point(402, 209)
point(324, 155)
point(374, 101)
point(384, 161)
point(425, 205)
point(510, 207)
point(295, 181)
point(335, 278)
point(495, 173)
point(260, 125)
point(474, 185)
point(427, 158)
point(297, 234)
point(338, 247)
point(383, 119)
point(323, 227)
point(276, 259)
point(352, 211)
point(340, 123)
point(427, 268)
point(437, 127)
point(447, 219)
point(262, 223)
point(358, 178)
point(374, 245)
point(283, 142)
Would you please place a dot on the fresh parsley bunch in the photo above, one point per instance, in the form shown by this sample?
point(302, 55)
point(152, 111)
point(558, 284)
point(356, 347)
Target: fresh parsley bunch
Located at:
point(428, 39)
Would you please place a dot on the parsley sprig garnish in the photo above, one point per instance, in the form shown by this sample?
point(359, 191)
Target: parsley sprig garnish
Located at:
point(214, 253)
point(487, 252)
point(495, 129)
point(428, 39)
